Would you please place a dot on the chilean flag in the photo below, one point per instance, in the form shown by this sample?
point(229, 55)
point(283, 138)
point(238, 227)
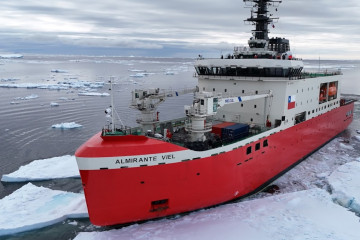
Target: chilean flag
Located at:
point(291, 102)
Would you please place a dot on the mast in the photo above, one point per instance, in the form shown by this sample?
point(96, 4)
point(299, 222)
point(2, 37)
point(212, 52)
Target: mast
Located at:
point(112, 107)
point(262, 18)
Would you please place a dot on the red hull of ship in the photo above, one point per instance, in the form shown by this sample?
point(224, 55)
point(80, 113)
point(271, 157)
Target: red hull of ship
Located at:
point(116, 196)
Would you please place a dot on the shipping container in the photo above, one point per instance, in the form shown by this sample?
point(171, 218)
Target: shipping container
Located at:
point(235, 132)
point(218, 128)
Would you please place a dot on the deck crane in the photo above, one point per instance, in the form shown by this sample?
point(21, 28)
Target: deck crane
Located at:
point(206, 104)
point(147, 101)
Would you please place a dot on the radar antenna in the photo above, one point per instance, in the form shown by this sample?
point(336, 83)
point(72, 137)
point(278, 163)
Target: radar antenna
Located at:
point(262, 19)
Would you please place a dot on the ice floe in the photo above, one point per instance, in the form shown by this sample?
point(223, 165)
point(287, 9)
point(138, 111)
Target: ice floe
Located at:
point(66, 99)
point(54, 104)
point(138, 75)
point(345, 186)
point(45, 169)
point(309, 214)
point(32, 96)
point(346, 146)
point(63, 85)
point(93, 94)
point(67, 125)
point(9, 79)
point(11, 56)
point(169, 73)
point(32, 207)
point(59, 71)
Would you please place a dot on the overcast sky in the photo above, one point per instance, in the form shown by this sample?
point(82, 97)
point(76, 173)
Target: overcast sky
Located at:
point(326, 28)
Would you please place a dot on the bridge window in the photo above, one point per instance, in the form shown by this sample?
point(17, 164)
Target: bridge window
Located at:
point(247, 71)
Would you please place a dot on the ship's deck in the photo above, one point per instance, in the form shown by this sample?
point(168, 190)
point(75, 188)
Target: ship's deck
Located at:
point(178, 133)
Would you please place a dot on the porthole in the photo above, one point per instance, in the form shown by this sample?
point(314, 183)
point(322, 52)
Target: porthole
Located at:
point(248, 150)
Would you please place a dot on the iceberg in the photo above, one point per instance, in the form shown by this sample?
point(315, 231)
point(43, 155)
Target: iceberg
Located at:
point(45, 169)
point(32, 207)
point(67, 125)
point(309, 214)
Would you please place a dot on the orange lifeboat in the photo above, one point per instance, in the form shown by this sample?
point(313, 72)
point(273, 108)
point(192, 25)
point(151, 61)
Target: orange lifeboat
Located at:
point(332, 90)
point(322, 96)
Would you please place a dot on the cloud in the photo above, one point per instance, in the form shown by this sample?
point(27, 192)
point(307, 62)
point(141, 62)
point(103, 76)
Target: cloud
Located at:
point(324, 26)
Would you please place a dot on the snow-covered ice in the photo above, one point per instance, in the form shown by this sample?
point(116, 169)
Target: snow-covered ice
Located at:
point(345, 186)
point(309, 214)
point(67, 125)
point(45, 169)
point(32, 207)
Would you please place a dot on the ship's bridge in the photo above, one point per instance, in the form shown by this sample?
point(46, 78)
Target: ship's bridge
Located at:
point(250, 67)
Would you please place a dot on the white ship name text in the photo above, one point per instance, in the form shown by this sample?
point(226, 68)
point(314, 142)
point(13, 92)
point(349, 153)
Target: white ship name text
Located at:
point(144, 159)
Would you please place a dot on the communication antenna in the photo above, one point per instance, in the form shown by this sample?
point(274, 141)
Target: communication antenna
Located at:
point(111, 111)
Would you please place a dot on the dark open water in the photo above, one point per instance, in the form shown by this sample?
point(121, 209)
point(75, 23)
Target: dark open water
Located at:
point(25, 128)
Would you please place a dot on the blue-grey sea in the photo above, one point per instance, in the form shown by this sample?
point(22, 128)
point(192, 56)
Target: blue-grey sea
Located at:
point(30, 84)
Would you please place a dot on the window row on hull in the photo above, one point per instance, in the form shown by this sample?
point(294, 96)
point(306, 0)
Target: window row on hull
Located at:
point(249, 71)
